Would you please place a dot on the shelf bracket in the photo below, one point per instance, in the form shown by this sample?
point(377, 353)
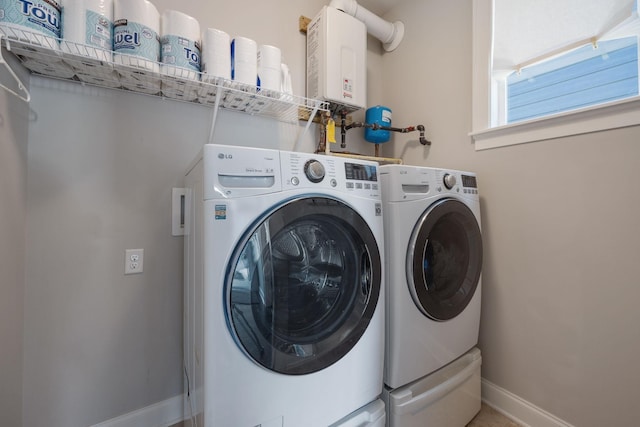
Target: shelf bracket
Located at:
point(214, 118)
point(316, 107)
point(22, 93)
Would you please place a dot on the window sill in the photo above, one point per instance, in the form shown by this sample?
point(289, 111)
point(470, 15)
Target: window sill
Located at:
point(613, 115)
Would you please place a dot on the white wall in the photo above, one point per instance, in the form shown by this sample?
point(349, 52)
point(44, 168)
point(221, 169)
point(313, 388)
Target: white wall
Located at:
point(101, 166)
point(559, 220)
point(13, 189)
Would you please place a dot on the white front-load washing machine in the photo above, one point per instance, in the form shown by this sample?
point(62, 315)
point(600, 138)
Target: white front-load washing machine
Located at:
point(434, 260)
point(284, 296)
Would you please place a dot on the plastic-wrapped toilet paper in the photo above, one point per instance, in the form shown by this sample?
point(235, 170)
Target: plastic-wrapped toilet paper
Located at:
point(136, 42)
point(88, 65)
point(244, 61)
point(88, 26)
point(140, 83)
point(35, 22)
point(180, 45)
point(216, 56)
point(40, 53)
point(269, 69)
point(236, 100)
point(109, 80)
point(185, 93)
point(58, 69)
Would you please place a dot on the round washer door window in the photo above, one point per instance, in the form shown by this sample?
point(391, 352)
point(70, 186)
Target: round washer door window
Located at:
point(303, 285)
point(444, 259)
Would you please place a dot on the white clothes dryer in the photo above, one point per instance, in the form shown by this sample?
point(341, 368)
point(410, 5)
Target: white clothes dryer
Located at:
point(434, 259)
point(284, 295)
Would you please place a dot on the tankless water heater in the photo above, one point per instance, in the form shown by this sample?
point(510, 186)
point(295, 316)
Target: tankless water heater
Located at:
point(336, 59)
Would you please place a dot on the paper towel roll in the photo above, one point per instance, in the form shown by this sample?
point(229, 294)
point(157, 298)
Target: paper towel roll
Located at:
point(58, 69)
point(87, 28)
point(269, 68)
point(34, 22)
point(216, 56)
point(136, 26)
point(244, 61)
point(269, 57)
point(180, 45)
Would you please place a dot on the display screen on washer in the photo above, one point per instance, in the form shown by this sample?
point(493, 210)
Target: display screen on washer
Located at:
point(303, 286)
point(361, 172)
point(469, 181)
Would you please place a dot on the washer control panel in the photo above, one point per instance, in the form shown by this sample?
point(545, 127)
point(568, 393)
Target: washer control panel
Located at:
point(305, 170)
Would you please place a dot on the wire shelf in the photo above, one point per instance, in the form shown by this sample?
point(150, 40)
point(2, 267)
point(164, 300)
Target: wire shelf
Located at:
point(85, 64)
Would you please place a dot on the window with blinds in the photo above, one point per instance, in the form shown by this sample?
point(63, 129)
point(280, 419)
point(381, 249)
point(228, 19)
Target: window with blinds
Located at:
point(554, 56)
point(590, 75)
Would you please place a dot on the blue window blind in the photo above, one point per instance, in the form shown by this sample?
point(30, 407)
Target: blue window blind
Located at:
point(581, 78)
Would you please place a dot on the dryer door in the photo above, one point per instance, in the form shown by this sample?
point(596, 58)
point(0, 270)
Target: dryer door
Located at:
point(444, 259)
point(303, 285)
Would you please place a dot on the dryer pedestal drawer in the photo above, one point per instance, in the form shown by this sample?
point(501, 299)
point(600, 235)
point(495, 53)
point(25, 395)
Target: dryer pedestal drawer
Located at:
point(449, 397)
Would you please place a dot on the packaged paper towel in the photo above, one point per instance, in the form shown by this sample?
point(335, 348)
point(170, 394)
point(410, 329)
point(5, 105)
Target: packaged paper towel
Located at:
point(87, 28)
point(180, 45)
point(136, 29)
point(35, 22)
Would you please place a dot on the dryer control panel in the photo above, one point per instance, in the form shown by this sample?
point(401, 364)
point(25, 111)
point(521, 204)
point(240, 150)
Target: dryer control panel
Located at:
point(403, 183)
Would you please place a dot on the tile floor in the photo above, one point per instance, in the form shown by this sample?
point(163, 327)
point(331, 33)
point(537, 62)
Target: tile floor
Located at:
point(489, 417)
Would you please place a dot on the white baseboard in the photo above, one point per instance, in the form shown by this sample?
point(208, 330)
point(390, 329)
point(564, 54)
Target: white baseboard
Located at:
point(519, 410)
point(170, 411)
point(161, 414)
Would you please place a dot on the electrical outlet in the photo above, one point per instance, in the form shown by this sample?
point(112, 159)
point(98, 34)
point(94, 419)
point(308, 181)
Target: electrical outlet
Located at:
point(133, 261)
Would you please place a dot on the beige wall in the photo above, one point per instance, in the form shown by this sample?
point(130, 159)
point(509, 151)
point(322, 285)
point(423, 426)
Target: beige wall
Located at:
point(13, 181)
point(561, 237)
point(558, 222)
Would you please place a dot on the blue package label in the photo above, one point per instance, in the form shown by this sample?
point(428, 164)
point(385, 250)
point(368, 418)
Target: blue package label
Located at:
point(42, 16)
point(131, 38)
point(181, 52)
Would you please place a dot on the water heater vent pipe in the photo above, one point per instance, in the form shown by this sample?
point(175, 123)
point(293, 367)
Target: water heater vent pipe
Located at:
point(390, 34)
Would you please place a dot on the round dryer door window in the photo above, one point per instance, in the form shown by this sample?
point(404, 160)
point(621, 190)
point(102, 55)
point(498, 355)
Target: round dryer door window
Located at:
point(444, 259)
point(303, 285)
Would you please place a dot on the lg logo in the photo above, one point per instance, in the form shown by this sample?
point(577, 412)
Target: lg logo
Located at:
point(223, 156)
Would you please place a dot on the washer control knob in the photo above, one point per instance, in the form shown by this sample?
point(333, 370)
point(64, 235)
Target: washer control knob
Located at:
point(449, 180)
point(314, 170)
point(295, 180)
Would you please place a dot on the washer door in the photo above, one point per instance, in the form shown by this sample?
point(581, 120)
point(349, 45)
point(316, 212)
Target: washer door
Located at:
point(444, 259)
point(303, 285)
